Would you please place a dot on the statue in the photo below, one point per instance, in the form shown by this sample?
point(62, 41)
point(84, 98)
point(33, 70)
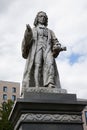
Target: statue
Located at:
point(40, 47)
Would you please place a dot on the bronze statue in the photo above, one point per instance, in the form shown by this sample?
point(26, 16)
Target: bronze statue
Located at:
point(40, 47)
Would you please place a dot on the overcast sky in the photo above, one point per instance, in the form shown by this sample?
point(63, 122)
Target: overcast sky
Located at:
point(68, 20)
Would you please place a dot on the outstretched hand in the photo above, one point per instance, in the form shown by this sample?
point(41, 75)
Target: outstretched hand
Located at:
point(28, 27)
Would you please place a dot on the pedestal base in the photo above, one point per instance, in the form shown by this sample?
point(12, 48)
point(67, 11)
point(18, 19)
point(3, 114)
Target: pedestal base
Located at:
point(42, 90)
point(47, 111)
point(50, 127)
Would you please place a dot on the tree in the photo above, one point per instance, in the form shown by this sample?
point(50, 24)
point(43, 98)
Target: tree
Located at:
point(5, 110)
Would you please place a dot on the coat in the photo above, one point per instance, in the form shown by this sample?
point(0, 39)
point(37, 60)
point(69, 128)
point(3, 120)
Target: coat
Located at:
point(29, 45)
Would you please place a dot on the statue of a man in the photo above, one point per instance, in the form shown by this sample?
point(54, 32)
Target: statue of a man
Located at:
point(40, 47)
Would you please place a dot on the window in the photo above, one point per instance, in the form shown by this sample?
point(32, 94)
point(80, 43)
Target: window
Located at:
point(4, 88)
point(4, 96)
point(86, 116)
point(14, 90)
point(13, 97)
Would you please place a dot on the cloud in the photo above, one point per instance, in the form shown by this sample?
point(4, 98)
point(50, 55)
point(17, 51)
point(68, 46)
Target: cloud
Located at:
point(73, 77)
point(4, 5)
point(68, 21)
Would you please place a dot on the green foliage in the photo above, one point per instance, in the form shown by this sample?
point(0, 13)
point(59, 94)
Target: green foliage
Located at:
point(5, 110)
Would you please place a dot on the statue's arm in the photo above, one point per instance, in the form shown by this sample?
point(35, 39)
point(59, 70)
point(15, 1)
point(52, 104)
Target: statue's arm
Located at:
point(27, 40)
point(56, 46)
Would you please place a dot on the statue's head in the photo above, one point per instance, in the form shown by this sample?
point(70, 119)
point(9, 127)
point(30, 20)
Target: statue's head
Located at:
point(41, 18)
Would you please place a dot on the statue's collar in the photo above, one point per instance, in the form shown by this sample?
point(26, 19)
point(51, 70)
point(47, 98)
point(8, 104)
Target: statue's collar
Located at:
point(41, 26)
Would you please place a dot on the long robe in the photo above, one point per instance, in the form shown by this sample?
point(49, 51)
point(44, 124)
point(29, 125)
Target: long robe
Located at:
point(29, 45)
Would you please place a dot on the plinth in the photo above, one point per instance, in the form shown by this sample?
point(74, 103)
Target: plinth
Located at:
point(44, 110)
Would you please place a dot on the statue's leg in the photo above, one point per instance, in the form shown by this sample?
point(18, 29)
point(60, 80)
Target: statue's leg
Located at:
point(49, 71)
point(38, 67)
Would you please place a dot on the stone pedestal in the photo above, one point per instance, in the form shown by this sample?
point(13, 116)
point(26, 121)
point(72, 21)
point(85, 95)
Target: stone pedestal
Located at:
point(47, 111)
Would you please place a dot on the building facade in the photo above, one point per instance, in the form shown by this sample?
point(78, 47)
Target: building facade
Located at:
point(9, 90)
point(84, 117)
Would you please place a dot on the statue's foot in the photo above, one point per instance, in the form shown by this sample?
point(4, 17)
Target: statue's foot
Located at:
point(51, 86)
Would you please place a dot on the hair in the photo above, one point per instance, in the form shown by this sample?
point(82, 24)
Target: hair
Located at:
point(36, 19)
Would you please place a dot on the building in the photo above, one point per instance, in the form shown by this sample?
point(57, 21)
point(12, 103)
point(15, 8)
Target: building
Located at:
point(9, 90)
point(84, 114)
point(84, 117)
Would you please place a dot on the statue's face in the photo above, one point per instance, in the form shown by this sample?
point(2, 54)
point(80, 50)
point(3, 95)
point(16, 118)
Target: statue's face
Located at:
point(41, 18)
